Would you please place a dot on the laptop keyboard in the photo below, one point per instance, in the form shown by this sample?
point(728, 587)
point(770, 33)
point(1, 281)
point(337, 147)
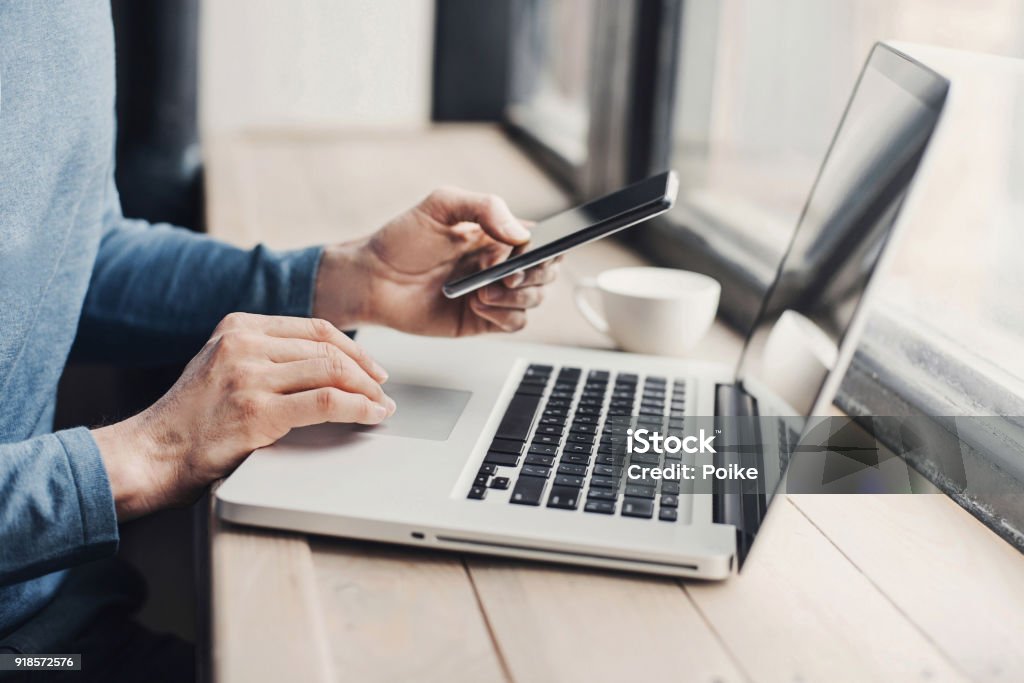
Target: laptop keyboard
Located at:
point(562, 443)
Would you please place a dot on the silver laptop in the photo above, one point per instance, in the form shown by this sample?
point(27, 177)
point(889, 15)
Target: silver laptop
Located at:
point(522, 450)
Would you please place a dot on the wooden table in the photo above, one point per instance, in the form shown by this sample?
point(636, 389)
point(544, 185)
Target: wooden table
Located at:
point(837, 588)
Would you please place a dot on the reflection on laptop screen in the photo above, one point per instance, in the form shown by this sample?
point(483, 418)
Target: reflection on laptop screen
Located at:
point(846, 221)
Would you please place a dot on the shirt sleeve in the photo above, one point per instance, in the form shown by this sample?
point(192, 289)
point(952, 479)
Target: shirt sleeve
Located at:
point(157, 291)
point(56, 506)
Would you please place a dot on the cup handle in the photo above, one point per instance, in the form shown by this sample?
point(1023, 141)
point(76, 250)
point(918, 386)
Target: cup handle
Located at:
point(589, 312)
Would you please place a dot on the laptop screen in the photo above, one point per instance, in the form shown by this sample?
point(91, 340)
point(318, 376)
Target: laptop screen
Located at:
point(796, 339)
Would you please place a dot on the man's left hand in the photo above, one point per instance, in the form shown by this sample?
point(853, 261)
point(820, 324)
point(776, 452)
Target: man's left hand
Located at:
point(394, 277)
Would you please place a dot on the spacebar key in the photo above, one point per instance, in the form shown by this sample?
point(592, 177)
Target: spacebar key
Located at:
point(518, 417)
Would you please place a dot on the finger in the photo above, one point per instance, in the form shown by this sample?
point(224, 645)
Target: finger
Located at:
point(287, 350)
point(337, 371)
point(326, 405)
point(501, 296)
point(505, 319)
point(317, 330)
point(543, 274)
point(454, 205)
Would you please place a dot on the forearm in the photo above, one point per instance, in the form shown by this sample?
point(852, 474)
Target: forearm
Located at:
point(157, 292)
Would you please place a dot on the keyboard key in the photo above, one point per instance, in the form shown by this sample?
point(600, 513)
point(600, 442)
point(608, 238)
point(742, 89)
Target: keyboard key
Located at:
point(646, 458)
point(604, 482)
point(569, 468)
point(670, 501)
point(543, 449)
point(555, 412)
point(539, 369)
point(670, 487)
point(534, 390)
point(528, 491)
point(554, 430)
point(637, 507)
point(602, 506)
point(583, 429)
point(569, 480)
point(581, 438)
point(580, 448)
point(612, 459)
point(643, 482)
point(500, 483)
point(507, 446)
point(602, 494)
point(553, 421)
point(549, 439)
point(563, 497)
point(586, 419)
point(540, 460)
point(503, 459)
point(488, 469)
point(477, 493)
point(599, 375)
point(481, 480)
point(576, 458)
point(518, 418)
point(639, 492)
point(668, 514)
point(535, 471)
point(607, 471)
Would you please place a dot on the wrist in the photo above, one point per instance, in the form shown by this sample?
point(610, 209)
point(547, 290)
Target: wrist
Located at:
point(344, 285)
point(128, 451)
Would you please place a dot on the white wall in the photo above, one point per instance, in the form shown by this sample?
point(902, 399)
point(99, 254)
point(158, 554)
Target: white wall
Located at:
point(315, 63)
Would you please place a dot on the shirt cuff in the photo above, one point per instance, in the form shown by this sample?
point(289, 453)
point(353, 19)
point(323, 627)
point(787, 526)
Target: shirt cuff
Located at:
point(95, 497)
point(301, 267)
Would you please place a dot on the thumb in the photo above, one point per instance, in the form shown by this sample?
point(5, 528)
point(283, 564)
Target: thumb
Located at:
point(453, 205)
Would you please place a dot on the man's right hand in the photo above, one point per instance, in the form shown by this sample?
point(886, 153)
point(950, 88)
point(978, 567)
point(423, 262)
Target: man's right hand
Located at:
point(254, 380)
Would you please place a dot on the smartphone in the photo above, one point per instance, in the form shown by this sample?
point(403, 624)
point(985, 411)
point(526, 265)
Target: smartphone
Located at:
point(591, 221)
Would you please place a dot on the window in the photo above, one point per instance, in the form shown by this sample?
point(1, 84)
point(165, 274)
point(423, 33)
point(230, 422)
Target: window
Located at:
point(572, 92)
point(760, 87)
point(742, 98)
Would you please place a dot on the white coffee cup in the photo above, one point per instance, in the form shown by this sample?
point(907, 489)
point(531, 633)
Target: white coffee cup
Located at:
point(660, 311)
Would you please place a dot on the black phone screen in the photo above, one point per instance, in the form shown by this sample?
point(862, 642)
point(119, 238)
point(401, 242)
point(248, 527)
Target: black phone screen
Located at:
point(586, 223)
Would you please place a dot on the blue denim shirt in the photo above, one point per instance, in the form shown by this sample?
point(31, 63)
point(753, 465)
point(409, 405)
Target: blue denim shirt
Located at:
point(77, 277)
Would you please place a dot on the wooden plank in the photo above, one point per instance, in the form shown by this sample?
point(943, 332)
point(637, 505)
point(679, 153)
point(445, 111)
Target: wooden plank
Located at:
point(401, 615)
point(566, 624)
point(800, 611)
point(267, 624)
point(962, 585)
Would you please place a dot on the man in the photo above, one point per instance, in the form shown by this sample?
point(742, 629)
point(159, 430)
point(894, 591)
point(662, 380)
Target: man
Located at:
point(77, 278)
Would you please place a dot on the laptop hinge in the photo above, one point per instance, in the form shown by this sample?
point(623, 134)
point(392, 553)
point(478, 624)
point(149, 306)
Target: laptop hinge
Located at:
point(739, 502)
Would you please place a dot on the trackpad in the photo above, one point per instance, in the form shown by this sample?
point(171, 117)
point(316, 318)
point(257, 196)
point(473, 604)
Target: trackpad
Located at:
point(423, 412)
